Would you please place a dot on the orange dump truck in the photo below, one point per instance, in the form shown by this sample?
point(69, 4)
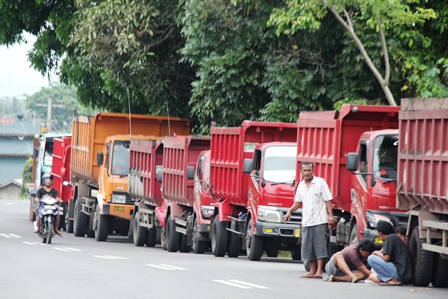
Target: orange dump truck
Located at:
point(100, 166)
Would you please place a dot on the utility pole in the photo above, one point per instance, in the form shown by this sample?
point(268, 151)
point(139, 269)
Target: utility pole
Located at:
point(49, 106)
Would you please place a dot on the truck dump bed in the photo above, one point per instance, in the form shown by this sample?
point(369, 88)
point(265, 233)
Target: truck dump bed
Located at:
point(229, 148)
point(178, 153)
point(146, 158)
point(89, 134)
point(325, 137)
point(423, 155)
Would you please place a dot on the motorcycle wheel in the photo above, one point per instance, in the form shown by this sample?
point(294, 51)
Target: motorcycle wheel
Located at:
point(49, 232)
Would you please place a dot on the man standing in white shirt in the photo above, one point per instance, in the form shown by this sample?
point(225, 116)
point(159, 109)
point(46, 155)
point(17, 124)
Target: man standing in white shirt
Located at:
point(317, 214)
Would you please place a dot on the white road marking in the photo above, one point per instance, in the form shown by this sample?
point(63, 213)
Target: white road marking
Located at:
point(5, 235)
point(33, 243)
point(232, 284)
point(9, 203)
point(110, 257)
point(15, 236)
point(66, 249)
point(248, 284)
point(10, 236)
point(166, 267)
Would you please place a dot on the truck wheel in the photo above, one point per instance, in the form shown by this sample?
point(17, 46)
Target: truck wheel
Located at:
point(272, 252)
point(199, 247)
point(151, 237)
point(90, 220)
point(219, 237)
point(235, 243)
point(254, 244)
point(80, 221)
point(423, 260)
point(183, 247)
point(138, 232)
point(70, 225)
point(172, 237)
point(354, 235)
point(32, 213)
point(102, 224)
point(296, 255)
point(440, 276)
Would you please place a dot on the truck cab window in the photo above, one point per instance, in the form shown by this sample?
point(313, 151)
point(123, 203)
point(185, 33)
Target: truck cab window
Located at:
point(120, 159)
point(363, 163)
point(280, 164)
point(385, 157)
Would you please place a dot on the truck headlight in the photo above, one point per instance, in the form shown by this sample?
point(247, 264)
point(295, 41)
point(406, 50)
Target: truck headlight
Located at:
point(373, 219)
point(207, 212)
point(268, 215)
point(118, 198)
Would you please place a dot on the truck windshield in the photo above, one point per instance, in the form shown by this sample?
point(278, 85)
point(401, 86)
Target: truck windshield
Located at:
point(120, 159)
point(280, 163)
point(385, 157)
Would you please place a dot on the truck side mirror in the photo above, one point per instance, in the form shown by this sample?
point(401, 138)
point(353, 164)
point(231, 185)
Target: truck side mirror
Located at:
point(99, 159)
point(190, 172)
point(35, 153)
point(352, 162)
point(248, 166)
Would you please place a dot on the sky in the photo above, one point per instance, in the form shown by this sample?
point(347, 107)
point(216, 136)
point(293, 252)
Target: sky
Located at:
point(16, 75)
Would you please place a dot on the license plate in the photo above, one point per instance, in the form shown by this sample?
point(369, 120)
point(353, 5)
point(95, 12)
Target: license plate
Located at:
point(119, 209)
point(297, 233)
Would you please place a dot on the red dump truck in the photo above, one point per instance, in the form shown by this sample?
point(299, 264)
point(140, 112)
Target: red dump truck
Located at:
point(100, 165)
point(252, 169)
point(62, 176)
point(186, 224)
point(327, 138)
point(422, 185)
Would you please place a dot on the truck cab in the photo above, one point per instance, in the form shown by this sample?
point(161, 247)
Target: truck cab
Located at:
point(373, 188)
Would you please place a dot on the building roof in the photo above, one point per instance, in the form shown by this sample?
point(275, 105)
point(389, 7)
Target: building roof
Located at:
point(13, 146)
point(11, 169)
point(19, 128)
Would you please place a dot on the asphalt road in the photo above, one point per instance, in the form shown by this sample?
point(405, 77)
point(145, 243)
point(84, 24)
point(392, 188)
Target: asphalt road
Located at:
point(75, 267)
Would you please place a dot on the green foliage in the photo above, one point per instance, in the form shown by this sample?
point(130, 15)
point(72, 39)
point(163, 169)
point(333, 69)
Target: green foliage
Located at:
point(27, 178)
point(130, 49)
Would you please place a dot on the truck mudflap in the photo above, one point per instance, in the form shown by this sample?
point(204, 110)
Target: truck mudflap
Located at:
point(268, 229)
point(120, 211)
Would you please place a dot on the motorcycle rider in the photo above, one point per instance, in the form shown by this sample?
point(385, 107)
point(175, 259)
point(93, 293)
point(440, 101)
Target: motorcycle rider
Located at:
point(47, 188)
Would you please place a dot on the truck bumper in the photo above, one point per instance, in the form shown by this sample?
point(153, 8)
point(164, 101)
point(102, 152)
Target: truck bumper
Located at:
point(120, 211)
point(267, 229)
point(372, 234)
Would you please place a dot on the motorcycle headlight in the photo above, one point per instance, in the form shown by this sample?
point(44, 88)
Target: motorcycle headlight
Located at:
point(373, 219)
point(268, 215)
point(118, 198)
point(207, 212)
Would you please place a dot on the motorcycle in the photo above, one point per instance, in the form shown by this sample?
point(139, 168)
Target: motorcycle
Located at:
point(50, 210)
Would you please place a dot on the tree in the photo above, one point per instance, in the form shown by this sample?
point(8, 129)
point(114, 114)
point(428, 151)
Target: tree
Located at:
point(355, 16)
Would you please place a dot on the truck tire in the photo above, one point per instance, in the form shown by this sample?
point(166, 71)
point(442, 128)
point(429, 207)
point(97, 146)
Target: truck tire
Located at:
point(272, 252)
point(440, 276)
point(32, 213)
point(423, 260)
point(151, 237)
point(254, 244)
point(80, 221)
point(235, 243)
point(353, 239)
point(90, 230)
point(183, 247)
point(69, 225)
point(219, 237)
point(138, 232)
point(102, 226)
point(172, 237)
point(199, 247)
point(296, 255)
